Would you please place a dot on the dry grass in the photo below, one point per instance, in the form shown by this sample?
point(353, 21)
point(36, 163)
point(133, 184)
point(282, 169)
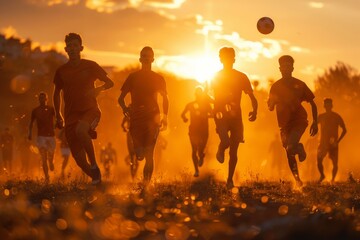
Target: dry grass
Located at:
point(185, 209)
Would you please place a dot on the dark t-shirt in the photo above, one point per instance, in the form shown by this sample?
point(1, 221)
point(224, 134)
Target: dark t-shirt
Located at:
point(76, 82)
point(228, 87)
point(44, 117)
point(287, 95)
point(199, 115)
point(144, 87)
point(330, 123)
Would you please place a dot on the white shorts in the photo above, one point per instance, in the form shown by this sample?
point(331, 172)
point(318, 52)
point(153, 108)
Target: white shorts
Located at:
point(65, 152)
point(47, 143)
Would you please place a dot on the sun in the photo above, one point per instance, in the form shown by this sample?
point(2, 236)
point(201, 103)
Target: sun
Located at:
point(202, 68)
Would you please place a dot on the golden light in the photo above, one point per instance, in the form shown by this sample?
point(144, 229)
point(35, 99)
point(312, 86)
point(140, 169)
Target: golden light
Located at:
point(199, 67)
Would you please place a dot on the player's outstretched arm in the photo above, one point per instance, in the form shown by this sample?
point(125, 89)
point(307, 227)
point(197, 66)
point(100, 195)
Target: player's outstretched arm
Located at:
point(121, 101)
point(165, 110)
point(314, 125)
point(343, 132)
point(57, 102)
point(254, 103)
point(183, 114)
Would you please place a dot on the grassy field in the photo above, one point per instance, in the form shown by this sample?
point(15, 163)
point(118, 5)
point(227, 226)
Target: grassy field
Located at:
point(202, 209)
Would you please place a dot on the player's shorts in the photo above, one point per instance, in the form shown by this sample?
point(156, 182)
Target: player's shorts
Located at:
point(65, 152)
point(198, 138)
point(47, 143)
point(290, 136)
point(91, 116)
point(332, 150)
point(234, 125)
point(144, 133)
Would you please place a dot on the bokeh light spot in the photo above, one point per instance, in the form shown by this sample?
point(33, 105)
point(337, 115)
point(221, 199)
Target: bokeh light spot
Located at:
point(283, 210)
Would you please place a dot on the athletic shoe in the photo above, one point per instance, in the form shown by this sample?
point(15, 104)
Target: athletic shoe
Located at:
point(299, 183)
point(201, 161)
point(220, 155)
point(92, 133)
point(96, 175)
point(229, 184)
point(139, 154)
point(301, 152)
point(322, 177)
point(196, 174)
point(51, 166)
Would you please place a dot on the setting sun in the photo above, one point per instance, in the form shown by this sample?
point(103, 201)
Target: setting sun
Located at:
point(199, 67)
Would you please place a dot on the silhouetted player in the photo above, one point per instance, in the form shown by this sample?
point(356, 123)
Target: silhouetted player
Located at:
point(144, 86)
point(76, 79)
point(329, 139)
point(108, 158)
point(44, 116)
point(200, 110)
point(7, 147)
point(287, 94)
point(130, 159)
point(228, 86)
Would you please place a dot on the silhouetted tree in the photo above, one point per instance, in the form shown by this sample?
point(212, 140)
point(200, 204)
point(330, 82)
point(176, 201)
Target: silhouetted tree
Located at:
point(341, 82)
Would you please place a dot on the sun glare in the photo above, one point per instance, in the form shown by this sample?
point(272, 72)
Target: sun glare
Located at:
point(199, 67)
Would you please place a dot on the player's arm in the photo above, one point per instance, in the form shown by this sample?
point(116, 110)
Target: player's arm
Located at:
point(314, 125)
point(57, 104)
point(343, 132)
point(121, 101)
point(254, 103)
point(183, 114)
point(165, 107)
point(108, 83)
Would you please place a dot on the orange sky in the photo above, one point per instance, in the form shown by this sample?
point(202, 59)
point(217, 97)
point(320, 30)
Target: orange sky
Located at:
point(186, 34)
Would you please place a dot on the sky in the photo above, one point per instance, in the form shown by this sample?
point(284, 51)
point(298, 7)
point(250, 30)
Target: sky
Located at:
point(187, 34)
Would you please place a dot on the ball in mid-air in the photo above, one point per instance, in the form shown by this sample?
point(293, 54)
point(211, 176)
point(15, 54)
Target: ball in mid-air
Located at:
point(265, 25)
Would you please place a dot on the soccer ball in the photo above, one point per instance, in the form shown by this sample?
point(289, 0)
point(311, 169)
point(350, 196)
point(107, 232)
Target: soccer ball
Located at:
point(265, 25)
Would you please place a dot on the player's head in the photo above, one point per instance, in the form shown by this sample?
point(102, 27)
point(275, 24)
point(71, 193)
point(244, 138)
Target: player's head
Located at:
point(73, 46)
point(43, 97)
point(146, 55)
point(227, 56)
point(328, 104)
point(286, 63)
point(199, 92)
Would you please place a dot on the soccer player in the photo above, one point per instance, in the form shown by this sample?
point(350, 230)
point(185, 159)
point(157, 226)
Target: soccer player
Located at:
point(228, 86)
point(329, 139)
point(108, 158)
point(200, 110)
point(76, 80)
point(44, 115)
point(286, 95)
point(7, 146)
point(144, 86)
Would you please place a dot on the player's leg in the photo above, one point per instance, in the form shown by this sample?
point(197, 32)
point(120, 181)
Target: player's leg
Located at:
point(77, 150)
point(202, 144)
point(50, 151)
point(334, 156)
point(222, 130)
point(322, 151)
point(65, 152)
point(150, 142)
point(41, 144)
point(194, 148)
point(236, 136)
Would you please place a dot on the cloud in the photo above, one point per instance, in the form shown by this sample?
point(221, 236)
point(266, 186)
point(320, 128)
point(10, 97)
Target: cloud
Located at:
point(171, 4)
point(316, 5)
